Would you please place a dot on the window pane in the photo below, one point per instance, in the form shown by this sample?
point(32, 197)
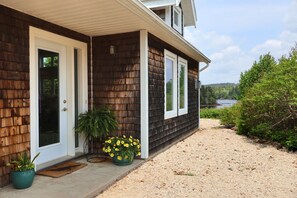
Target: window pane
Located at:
point(169, 85)
point(175, 18)
point(49, 126)
point(182, 87)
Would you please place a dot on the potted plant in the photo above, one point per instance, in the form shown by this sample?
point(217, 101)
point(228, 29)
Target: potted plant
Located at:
point(96, 124)
point(22, 171)
point(122, 149)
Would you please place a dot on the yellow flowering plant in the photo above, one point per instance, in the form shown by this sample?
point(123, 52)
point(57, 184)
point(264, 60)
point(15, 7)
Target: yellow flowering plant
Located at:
point(122, 147)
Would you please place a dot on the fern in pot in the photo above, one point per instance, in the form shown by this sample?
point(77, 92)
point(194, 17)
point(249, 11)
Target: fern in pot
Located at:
point(96, 124)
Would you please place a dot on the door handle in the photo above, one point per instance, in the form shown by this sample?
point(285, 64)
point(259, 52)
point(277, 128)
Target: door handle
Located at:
point(64, 109)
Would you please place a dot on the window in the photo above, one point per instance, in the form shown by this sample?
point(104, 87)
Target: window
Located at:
point(177, 23)
point(182, 86)
point(176, 85)
point(170, 84)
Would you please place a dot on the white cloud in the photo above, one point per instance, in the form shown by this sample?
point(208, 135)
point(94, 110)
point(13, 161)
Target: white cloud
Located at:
point(234, 36)
point(277, 47)
point(228, 60)
point(207, 40)
point(226, 66)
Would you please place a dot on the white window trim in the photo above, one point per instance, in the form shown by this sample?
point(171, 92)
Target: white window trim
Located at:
point(179, 27)
point(173, 57)
point(184, 62)
point(168, 15)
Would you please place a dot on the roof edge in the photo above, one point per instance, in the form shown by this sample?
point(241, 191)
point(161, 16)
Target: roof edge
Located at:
point(138, 8)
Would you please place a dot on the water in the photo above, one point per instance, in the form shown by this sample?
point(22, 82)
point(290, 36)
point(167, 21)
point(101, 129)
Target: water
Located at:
point(225, 103)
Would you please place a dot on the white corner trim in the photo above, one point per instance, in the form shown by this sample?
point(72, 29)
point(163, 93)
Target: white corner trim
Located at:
point(144, 94)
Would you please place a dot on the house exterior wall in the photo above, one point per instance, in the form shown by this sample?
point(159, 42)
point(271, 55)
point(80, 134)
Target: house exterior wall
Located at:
point(14, 81)
point(116, 79)
point(163, 132)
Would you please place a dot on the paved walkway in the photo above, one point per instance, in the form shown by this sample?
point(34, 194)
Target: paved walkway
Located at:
point(86, 182)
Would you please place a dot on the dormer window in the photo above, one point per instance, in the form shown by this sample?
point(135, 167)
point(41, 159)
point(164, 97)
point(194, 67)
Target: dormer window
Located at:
point(176, 13)
point(177, 19)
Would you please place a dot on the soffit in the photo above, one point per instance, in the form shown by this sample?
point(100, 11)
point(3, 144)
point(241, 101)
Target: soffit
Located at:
point(160, 3)
point(104, 17)
point(189, 12)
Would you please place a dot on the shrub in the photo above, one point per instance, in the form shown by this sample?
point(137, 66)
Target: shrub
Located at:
point(254, 75)
point(291, 143)
point(210, 113)
point(269, 108)
point(229, 115)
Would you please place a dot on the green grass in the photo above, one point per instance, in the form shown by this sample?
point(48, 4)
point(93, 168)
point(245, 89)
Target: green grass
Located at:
point(210, 113)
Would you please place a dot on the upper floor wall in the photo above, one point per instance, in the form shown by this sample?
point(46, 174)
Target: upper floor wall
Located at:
point(176, 13)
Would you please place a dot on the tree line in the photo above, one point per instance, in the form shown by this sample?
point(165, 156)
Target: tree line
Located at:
point(267, 107)
point(209, 94)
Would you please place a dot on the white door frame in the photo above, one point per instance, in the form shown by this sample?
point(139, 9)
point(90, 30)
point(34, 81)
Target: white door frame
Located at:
point(70, 45)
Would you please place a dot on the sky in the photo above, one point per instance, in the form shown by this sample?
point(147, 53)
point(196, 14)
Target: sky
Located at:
point(234, 33)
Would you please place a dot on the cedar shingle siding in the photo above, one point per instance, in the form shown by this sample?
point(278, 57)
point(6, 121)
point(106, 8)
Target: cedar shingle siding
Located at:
point(163, 132)
point(116, 78)
point(116, 83)
point(14, 81)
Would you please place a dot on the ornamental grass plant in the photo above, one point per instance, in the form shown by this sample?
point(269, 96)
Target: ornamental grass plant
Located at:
point(122, 147)
point(23, 163)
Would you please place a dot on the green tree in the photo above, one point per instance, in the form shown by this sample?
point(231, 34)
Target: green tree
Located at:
point(269, 107)
point(207, 96)
point(254, 75)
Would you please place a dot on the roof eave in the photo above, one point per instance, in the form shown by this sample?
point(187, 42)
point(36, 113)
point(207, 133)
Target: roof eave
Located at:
point(158, 26)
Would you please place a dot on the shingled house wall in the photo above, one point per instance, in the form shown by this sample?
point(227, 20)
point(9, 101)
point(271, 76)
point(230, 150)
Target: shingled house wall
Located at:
point(163, 132)
point(115, 83)
point(116, 78)
point(14, 81)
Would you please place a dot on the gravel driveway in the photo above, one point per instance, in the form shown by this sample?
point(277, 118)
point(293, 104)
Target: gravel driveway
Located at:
point(213, 162)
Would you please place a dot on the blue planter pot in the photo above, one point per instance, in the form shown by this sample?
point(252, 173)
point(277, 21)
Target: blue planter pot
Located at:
point(22, 179)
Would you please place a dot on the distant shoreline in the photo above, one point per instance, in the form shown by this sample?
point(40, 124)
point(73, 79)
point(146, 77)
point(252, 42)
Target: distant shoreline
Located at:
point(221, 103)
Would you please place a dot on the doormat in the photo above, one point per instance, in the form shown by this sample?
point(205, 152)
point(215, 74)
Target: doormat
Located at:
point(61, 169)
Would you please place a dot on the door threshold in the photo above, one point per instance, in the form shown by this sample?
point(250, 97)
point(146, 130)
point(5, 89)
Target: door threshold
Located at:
point(57, 161)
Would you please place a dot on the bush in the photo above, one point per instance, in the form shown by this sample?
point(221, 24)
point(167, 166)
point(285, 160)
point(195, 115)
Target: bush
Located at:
point(291, 143)
point(259, 69)
point(210, 113)
point(269, 108)
point(229, 115)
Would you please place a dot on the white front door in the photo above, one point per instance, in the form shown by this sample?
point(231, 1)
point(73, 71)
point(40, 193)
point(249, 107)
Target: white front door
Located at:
point(52, 108)
point(58, 94)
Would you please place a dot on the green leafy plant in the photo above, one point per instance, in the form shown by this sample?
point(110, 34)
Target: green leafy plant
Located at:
point(269, 106)
point(210, 113)
point(291, 143)
point(121, 147)
point(97, 123)
point(23, 163)
point(229, 115)
point(254, 75)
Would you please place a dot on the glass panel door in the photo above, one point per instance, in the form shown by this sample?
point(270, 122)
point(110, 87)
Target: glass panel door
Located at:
point(49, 99)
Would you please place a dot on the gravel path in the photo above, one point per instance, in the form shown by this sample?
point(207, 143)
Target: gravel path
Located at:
point(213, 162)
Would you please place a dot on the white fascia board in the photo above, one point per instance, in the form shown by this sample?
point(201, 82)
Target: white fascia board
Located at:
point(189, 11)
point(159, 28)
